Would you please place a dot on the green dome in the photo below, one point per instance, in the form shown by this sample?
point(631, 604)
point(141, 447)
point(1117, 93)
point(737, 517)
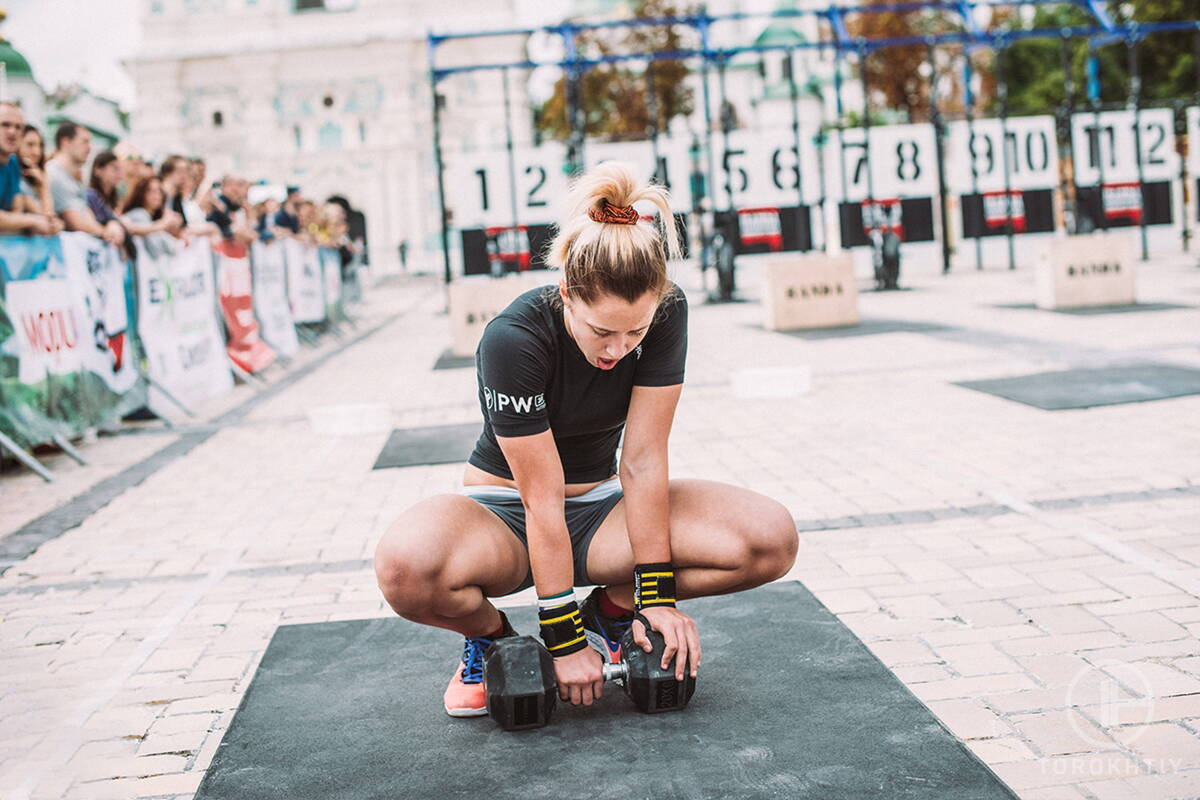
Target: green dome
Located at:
point(14, 63)
point(780, 33)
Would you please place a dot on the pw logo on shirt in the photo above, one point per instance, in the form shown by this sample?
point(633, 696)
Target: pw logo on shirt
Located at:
point(498, 401)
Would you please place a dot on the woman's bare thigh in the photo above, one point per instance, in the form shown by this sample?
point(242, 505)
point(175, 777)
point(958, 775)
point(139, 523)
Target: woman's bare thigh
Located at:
point(712, 524)
point(454, 541)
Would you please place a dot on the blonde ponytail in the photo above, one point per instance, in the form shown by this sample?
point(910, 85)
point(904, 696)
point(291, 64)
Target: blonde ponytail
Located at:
point(625, 260)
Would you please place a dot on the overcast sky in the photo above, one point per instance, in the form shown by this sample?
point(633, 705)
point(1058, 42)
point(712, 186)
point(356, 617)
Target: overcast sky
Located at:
point(83, 41)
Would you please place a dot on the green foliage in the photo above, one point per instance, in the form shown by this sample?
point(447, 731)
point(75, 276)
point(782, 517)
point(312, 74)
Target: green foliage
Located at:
point(1034, 68)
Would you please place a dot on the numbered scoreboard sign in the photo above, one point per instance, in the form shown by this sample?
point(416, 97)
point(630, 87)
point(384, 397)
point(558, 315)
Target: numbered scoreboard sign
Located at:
point(1106, 152)
point(479, 192)
point(668, 165)
point(1026, 148)
point(899, 172)
point(1193, 134)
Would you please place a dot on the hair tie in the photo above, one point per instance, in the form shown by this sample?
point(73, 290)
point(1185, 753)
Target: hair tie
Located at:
point(606, 212)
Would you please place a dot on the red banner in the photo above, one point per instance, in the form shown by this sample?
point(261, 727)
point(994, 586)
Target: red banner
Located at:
point(761, 226)
point(1000, 207)
point(235, 289)
point(886, 215)
point(1123, 201)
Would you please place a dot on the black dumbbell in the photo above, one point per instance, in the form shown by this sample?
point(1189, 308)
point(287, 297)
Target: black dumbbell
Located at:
point(521, 690)
point(652, 688)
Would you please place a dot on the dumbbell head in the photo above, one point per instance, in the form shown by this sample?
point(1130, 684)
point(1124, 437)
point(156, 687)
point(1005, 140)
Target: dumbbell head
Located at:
point(653, 688)
point(518, 679)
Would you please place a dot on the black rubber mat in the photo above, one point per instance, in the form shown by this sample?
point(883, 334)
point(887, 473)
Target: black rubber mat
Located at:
point(448, 360)
point(439, 444)
point(1086, 388)
point(1092, 311)
point(789, 704)
point(867, 327)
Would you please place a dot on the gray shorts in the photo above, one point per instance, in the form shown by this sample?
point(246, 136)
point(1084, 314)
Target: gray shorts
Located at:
point(584, 515)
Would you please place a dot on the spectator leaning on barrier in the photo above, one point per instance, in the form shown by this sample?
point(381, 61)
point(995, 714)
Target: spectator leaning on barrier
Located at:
point(72, 144)
point(356, 223)
point(288, 215)
point(176, 184)
point(32, 153)
point(310, 224)
point(19, 213)
point(102, 188)
point(229, 211)
point(145, 214)
point(196, 171)
point(132, 169)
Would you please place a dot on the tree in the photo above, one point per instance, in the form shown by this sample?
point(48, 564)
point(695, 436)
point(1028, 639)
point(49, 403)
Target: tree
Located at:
point(1034, 69)
point(899, 74)
point(614, 97)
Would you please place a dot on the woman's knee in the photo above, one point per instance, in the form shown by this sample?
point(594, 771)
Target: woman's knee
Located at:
point(772, 540)
point(410, 558)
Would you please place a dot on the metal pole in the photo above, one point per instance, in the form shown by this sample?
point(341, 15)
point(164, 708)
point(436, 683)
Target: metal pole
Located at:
point(1183, 170)
point(866, 122)
point(512, 162)
point(1002, 94)
point(441, 169)
point(726, 127)
point(1093, 90)
point(1067, 111)
point(969, 108)
point(709, 189)
point(801, 212)
point(841, 113)
point(575, 117)
point(819, 141)
point(935, 118)
point(1135, 101)
point(652, 124)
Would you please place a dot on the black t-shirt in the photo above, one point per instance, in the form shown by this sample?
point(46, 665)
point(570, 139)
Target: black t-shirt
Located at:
point(533, 377)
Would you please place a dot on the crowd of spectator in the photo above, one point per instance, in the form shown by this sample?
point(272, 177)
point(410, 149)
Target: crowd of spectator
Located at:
point(116, 195)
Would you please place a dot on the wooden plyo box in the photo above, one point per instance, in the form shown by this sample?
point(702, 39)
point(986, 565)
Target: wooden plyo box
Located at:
point(1094, 269)
point(810, 290)
point(475, 299)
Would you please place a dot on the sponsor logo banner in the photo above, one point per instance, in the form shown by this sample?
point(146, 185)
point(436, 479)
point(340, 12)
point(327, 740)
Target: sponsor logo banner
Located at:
point(67, 361)
point(178, 328)
point(269, 267)
point(305, 292)
point(235, 289)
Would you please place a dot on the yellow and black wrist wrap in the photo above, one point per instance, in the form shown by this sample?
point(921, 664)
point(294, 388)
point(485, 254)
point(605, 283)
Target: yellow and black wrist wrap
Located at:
point(653, 585)
point(562, 629)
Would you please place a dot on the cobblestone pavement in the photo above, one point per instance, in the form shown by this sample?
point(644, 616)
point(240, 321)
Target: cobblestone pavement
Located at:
point(1032, 576)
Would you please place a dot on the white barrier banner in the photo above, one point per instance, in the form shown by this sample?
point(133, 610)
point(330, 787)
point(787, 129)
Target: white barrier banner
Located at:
point(305, 294)
point(331, 270)
point(96, 273)
point(49, 323)
point(271, 299)
point(177, 321)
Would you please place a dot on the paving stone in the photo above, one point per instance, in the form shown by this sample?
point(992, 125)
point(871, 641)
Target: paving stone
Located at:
point(1057, 733)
